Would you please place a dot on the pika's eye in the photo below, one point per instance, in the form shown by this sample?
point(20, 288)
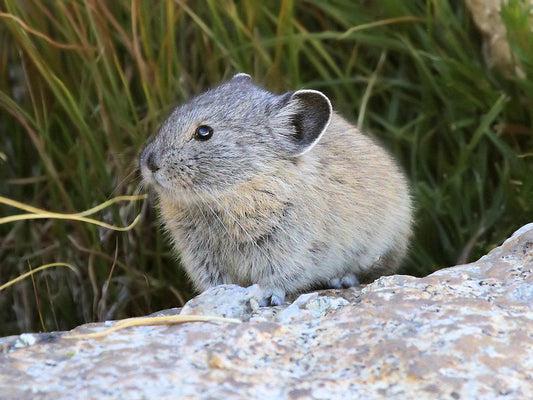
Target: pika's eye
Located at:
point(203, 132)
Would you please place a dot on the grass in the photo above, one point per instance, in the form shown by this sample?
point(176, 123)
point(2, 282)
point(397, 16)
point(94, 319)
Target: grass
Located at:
point(83, 85)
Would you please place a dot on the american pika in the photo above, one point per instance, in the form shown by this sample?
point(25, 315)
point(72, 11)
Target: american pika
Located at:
point(277, 190)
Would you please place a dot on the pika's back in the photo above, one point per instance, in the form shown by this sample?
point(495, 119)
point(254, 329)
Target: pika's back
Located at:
point(276, 190)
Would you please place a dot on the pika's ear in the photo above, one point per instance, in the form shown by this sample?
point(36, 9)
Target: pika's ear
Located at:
point(242, 77)
point(306, 115)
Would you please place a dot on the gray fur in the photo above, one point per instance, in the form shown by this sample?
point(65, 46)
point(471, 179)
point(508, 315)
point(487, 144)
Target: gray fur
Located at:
point(286, 193)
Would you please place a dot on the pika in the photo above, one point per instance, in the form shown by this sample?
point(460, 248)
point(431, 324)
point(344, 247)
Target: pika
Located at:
point(276, 190)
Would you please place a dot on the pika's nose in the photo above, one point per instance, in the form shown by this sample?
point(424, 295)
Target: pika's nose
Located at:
point(150, 163)
point(148, 159)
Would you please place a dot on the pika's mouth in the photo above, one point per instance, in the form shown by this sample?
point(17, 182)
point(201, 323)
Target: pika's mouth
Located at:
point(163, 183)
point(150, 168)
point(155, 179)
point(147, 174)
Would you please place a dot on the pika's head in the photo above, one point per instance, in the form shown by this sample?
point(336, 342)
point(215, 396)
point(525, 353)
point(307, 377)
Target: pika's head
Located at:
point(231, 134)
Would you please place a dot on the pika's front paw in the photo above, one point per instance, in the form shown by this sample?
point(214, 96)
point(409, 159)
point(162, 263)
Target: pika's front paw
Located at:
point(272, 298)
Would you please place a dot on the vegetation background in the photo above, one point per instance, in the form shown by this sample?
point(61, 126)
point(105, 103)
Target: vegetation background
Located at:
point(83, 85)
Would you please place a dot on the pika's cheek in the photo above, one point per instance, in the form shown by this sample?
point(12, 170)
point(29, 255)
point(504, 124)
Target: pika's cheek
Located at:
point(175, 176)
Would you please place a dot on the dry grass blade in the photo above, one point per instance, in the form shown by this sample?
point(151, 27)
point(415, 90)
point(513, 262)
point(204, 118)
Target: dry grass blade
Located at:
point(30, 273)
point(44, 37)
point(37, 213)
point(148, 321)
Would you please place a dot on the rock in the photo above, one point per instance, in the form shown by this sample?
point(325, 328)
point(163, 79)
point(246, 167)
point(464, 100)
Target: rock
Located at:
point(310, 306)
point(464, 332)
point(228, 301)
point(486, 16)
